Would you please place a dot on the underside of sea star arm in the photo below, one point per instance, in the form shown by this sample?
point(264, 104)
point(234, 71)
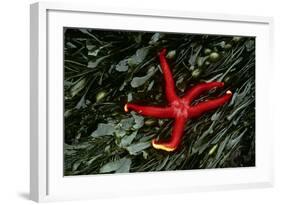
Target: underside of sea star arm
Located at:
point(152, 111)
point(199, 89)
point(175, 139)
point(168, 77)
point(200, 108)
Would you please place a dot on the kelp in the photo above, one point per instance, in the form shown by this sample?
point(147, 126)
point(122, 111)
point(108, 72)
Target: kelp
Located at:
point(105, 69)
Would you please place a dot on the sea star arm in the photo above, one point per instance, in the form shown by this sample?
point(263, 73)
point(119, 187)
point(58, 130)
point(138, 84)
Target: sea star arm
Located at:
point(168, 77)
point(175, 139)
point(199, 89)
point(200, 108)
point(152, 111)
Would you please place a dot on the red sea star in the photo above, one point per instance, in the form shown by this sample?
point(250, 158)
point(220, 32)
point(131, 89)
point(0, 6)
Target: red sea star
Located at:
point(179, 108)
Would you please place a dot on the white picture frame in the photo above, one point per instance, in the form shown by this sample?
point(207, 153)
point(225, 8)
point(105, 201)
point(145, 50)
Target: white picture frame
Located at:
point(47, 182)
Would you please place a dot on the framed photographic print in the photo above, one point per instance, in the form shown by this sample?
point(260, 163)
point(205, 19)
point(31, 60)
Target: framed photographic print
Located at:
point(127, 102)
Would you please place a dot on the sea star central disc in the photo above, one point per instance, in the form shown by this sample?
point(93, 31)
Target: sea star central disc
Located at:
point(178, 108)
